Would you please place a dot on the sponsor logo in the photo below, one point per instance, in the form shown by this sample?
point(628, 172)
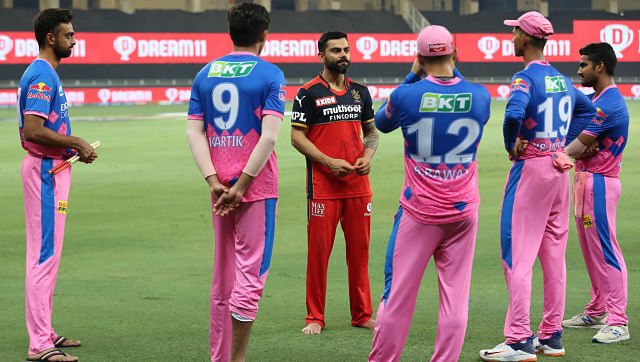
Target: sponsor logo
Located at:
point(343, 112)
point(62, 206)
point(503, 91)
point(281, 96)
point(42, 91)
point(587, 221)
point(298, 116)
point(317, 209)
point(164, 48)
point(488, 45)
point(555, 84)
point(520, 84)
point(619, 36)
point(289, 48)
point(299, 100)
point(635, 90)
point(367, 45)
point(6, 45)
point(445, 103)
point(368, 212)
point(222, 69)
point(321, 102)
point(600, 117)
point(437, 47)
point(125, 96)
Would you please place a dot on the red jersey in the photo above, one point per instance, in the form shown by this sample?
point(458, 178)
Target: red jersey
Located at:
point(334, 121)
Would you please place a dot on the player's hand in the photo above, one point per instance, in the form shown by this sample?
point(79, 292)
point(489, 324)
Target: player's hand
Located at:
point(591, 150)
point(228, 201)
point(86, 152)
point(215, 186)
point(520, 147)
point(362, 166)
point(339, 167)
point(416, 68)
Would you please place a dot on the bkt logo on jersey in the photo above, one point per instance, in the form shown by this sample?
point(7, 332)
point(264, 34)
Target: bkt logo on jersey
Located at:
point(230, 69)
point(446, 103)
point(555, 84)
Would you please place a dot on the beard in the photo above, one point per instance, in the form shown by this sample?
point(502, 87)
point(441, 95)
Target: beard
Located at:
point(585, 82)
point(337, 67)
point(61, 52)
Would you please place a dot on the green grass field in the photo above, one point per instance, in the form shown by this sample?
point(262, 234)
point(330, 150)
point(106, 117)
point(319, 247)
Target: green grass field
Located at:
point(136, 270)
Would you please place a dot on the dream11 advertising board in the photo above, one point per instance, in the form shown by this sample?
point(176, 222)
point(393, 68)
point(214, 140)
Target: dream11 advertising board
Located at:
point(171, 48)
point(171, 95)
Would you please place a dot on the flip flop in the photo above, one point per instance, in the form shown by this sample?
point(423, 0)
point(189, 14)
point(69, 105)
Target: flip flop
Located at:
point(47, 356)
point(59, 343)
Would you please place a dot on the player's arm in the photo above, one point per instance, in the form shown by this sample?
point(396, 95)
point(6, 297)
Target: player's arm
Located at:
point(301, 114)
point(514, 116)
point(583, 113)
point(197, 139)
point(582, 147)
point(370, 137)
point(34, 131)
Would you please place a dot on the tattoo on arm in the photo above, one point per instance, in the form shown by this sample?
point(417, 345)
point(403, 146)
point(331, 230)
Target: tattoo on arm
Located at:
point(370, 135)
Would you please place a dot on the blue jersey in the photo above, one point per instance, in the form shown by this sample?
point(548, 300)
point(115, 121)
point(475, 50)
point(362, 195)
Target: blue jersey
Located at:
point(442, 122)
point(545, 109)
point(231, 95)
point(40, 94)
point(610, 126)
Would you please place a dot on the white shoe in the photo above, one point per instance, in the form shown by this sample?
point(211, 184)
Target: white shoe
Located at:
point(584, 321)
point(503, 352)
point(612, 334)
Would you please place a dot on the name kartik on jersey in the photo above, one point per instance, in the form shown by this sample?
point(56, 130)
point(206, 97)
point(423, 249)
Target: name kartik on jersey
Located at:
point(225, 141)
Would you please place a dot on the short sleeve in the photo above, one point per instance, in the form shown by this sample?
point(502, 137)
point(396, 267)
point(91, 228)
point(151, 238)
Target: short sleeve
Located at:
point(195, 108)
point(302, 109)
point(276, 97)
point(41, 91)
point(367, 111)
point(600, 123)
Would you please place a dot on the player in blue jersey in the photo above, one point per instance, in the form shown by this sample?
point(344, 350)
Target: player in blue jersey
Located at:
point(442, 118)
point(535, 208)
point(235, 111)
point(45, 133)
point(596, 190)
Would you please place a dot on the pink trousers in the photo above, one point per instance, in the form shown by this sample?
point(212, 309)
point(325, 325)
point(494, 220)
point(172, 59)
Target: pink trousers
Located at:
point(410, 248)
point(534, 224)
point(243, 247)
point(596, 223)
point(45, 211)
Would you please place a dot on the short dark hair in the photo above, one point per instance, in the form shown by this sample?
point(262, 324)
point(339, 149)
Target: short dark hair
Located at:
point(247, 22)
point(601, 53)
point(47, 21)
point(329, 35)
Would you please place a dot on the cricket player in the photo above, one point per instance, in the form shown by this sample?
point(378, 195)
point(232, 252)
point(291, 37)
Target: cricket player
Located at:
point(45, 133)
point(330, 113)
point(597, 190)
point(535, 206)
point(442, 118)
point(235, 112)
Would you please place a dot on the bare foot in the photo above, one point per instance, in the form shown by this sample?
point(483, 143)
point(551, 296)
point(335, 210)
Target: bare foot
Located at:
point(370, 324)
point(312, 328)
point(52, 354)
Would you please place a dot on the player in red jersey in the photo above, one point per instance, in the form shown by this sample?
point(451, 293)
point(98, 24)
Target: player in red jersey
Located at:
point(333, 127)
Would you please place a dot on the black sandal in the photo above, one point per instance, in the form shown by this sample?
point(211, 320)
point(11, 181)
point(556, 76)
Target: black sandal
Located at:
point(48, 355)
point(59, 343)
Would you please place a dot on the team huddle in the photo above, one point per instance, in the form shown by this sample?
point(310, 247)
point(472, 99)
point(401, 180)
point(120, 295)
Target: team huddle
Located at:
point(235, 112)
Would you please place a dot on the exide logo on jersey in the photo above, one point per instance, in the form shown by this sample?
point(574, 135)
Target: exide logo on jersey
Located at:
point(320, 102)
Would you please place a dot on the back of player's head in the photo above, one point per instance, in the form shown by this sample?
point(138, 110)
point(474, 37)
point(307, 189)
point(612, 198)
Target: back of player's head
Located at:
point(435, 43)
point(47, 21)
point(329, 35)
point(247, 22)
point(601, 53)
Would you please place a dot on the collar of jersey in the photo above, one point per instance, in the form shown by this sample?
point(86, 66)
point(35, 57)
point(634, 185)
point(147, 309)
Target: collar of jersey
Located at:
point(347, 83)
point(603, 91)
